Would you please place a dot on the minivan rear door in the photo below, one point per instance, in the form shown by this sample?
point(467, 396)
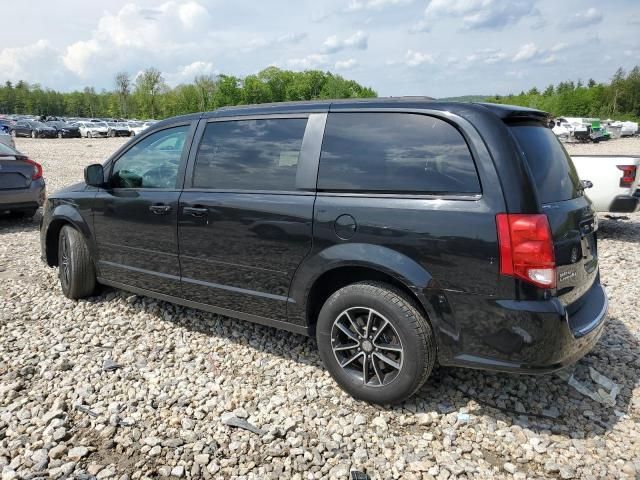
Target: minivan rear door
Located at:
point(571, 217)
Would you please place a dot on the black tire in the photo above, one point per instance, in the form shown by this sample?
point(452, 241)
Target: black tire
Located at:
point(76, 272)
point(410, 331)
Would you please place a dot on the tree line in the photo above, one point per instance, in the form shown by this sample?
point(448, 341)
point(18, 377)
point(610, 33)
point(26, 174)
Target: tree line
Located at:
point(619, 99)
point(148, 95)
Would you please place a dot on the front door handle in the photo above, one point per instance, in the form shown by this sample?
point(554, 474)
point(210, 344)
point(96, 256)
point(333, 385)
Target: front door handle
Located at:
point(195, 211)
point(160, 209)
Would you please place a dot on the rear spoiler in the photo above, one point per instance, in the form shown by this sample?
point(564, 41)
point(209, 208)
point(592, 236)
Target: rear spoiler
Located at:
point(515, 113)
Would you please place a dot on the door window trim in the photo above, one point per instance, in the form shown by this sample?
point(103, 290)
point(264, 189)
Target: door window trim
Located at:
point(306, 173)
point(188, 142)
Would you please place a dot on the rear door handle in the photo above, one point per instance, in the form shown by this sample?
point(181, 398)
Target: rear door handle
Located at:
point(160, 209)
point(195, 211)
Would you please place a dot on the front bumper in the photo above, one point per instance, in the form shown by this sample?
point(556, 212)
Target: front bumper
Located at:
point(626, 203)
point(70, 133)
point(534, 336)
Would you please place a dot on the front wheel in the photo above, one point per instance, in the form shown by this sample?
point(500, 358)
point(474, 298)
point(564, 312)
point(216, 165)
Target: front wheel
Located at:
point(75, 267)
point(375, 343)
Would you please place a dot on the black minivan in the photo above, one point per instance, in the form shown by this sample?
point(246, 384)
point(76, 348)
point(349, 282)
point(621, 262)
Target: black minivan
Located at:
point(398, 232)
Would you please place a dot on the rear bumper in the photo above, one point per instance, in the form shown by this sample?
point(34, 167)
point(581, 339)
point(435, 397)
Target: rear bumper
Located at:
point(625, 204)
point(24, 198)
point(535, 336)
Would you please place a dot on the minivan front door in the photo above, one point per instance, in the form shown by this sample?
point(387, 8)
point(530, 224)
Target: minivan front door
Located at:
point(135, 217)
point(244, 226)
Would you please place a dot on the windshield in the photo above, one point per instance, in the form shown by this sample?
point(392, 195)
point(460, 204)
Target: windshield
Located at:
point(555, 176)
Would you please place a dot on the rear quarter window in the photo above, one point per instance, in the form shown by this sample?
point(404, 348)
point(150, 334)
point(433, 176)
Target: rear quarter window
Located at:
point(553, 172)
point(395, 152)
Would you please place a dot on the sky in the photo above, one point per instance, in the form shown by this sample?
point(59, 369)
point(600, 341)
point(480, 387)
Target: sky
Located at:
point(436, 48)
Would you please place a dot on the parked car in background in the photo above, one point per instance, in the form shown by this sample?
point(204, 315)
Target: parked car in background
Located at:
point(613, 182)
point(93, 129)
point(118, 129)
point(33, 129)
point(405, 232)
point(135, 128)
point(64, 129)
point(22, 187)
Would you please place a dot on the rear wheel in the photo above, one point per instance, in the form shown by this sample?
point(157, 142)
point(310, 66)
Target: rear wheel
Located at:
point(76, 271)
point(375, 343)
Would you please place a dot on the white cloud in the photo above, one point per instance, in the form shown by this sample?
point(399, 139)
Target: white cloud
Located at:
point(414, 58)
point(346, 64)
point(35, 62)
point(286, 39)
point(480, 14)
point(358, 40)
point(314, 60)
point(584, 19)
point(187, 73)
point(153, 34)
point(357, 5)
point(558, 47)
point(527, 52)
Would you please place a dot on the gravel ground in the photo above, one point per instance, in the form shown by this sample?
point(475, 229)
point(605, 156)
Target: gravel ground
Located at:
point(619, 146)
point(120, 386)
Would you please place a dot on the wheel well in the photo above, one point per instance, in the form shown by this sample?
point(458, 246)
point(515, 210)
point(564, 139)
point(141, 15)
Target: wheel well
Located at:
point(330, 282)
point(51, 242)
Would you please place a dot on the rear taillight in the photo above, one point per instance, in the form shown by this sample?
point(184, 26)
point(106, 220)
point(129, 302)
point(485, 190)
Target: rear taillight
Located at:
point(37, 169)
point(628, 175)
point(526, 248)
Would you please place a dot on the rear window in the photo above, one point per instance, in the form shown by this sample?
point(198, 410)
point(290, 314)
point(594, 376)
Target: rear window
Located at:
point(395, 152)
point(6, 150)
point(553, 171)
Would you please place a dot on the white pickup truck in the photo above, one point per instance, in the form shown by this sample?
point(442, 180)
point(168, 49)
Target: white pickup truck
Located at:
point(614, 180)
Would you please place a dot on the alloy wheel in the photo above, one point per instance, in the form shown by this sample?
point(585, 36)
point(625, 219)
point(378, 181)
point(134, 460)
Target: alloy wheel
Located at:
point(367, 346)
point(65, 262)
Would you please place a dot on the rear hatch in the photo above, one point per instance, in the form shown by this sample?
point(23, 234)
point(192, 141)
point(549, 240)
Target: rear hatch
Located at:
point(15, 173)
point(571, 218)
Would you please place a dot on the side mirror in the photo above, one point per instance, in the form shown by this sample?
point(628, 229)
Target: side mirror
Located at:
point(586, 184)
point(94, 175)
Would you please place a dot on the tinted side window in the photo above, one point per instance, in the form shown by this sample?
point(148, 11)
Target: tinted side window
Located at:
point(551, 166)
point(249, 154)
point(395, 152)
point(152, 162)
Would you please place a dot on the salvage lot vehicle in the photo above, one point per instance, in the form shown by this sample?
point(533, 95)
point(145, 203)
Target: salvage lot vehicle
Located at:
point(405, 232)
point(118, 129)
point(64, 129)
point(93, 129)
point(614, 182)
point(33, 129)
point(22, 187)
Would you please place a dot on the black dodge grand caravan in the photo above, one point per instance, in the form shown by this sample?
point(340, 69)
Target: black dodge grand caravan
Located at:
point(398, 232)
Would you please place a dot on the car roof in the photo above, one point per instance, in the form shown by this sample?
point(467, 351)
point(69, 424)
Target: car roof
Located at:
point(504, 112)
